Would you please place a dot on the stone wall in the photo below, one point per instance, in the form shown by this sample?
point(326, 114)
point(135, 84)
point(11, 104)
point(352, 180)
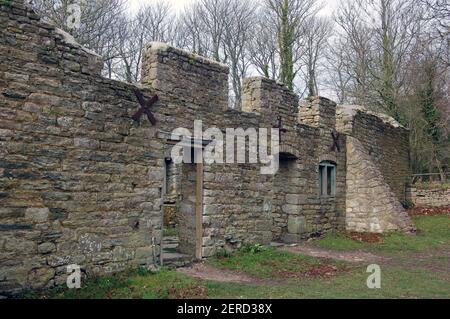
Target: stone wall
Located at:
point(82, 183)
point(384, 139)
point(429, 197)
point(238, 200)
point(371, 204)
point(233, 195)
point(321, 214)
point(377, 171)
point(318, 112)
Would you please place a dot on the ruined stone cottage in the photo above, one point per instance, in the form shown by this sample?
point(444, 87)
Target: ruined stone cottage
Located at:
point(82, 182)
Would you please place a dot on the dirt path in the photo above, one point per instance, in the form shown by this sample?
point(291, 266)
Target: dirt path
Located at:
point(207, 272)
point(437, 260)
point(422, 260)
point(356, 256)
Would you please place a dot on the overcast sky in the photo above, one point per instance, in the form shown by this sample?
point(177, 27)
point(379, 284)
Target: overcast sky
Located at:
point(179, 4)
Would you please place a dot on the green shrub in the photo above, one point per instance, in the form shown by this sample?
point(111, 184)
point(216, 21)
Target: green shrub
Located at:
point(5, 2)
point(252, 249)
point(408, 204)
point(223, 253)
point(171, 232)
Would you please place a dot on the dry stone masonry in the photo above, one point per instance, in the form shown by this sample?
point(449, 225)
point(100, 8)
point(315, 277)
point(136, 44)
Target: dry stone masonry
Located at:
point(426, 196)
point(378, 171)
point(82, 183)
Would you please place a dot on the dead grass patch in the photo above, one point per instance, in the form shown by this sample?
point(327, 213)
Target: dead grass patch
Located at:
point(366, 237)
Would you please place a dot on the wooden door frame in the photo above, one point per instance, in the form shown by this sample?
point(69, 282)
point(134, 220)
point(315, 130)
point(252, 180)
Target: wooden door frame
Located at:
point(198, 196)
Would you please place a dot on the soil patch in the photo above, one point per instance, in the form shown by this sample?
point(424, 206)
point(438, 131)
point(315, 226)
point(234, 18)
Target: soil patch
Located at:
point(206, 272)
point(349, 256)
point(429, 211)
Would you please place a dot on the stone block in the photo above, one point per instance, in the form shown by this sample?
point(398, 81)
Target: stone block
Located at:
point(46, 248)
point(39, 278)
point(296, 224)
point(86, 143)
point(37, 215)
point(145, 253)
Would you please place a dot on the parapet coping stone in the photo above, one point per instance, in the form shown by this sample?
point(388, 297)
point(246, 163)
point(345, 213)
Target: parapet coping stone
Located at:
point(352, 109)
point(164, 47)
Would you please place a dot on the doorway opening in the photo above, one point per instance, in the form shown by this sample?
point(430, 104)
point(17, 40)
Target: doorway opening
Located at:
point(286, 199)
point(171, 199)
point(183, 214)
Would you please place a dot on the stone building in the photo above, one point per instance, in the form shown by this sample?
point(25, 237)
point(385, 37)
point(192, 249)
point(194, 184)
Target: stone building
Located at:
point(83, 183)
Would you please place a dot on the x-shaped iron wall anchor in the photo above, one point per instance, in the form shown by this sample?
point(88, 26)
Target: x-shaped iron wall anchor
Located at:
point(145, 107)
point(336, 145)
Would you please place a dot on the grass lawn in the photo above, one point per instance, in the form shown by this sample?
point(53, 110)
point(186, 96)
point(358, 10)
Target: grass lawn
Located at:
point(433, 232)
point(171, 232)
point(280, 274)
point(270, 263)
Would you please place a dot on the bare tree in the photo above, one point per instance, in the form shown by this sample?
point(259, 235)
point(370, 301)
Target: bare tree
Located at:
point(97, 19)
point(220, 30)
point(152, 22)
point(214, 15)
point(286, 16)
point(338, 79)
point(438, 12)
point(193, 31)
point(241, 20)
point(381, 34)
point(355, 53)
point(437, 16)
point(396, 24)
point(263, 47)
point(108, 29)
point(315, 33)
